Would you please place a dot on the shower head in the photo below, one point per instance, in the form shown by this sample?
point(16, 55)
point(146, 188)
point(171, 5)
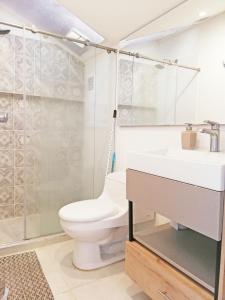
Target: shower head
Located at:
point(162, 66)
point(159, 66)
point(4, 31)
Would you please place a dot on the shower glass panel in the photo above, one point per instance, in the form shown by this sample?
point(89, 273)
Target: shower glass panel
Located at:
point(105, 80)
point(68, 117)
point(11, 136)
point(55, 118)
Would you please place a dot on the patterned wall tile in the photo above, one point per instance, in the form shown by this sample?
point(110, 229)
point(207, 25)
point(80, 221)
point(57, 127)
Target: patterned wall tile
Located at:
point(24, 176)
point(6, 158)
point(19, 139)
point(18, 103)
point(19, 158)
point(19, 78)
point(19, 176)
point(30, 158)
point(19, 193)
point(19, 210)
point(7, 80)
point(6, 177)
point(6, 211)
point(25, 158)
point(6, 195)
point(9, 124)
point(18, 121)
point(6, 139)
point(19, 49)
point(5, 102)
point(49, 71)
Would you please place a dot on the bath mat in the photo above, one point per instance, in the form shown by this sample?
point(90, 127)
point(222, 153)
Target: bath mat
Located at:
point(23, 275)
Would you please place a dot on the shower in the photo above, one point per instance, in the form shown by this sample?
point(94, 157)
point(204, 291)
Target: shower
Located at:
point(159, 66)
point(162, 66)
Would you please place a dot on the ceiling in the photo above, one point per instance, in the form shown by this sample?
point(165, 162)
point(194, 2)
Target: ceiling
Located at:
point(183, 16)
point(116, 19)
point(128, 19)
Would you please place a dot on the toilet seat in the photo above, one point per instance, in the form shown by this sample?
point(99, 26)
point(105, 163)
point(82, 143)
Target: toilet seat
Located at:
point(88, 210)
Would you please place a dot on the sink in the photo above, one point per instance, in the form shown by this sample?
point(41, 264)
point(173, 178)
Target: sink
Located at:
point(200, 168)
point(192, 204)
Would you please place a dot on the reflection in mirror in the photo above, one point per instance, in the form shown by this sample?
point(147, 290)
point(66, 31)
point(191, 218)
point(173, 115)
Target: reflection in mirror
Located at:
point(151, 93)
point(146, 92)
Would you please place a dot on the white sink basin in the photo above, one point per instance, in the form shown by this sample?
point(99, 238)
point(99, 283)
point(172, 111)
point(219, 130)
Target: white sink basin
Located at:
point(200, 168)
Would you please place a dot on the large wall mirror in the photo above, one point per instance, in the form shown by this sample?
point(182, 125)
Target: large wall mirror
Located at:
point(152, 93)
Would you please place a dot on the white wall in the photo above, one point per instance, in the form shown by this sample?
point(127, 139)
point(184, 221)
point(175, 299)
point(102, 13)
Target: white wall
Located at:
point(211, 99)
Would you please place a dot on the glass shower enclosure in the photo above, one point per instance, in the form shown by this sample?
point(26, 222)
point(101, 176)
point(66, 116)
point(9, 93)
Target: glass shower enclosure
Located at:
point(54, 146)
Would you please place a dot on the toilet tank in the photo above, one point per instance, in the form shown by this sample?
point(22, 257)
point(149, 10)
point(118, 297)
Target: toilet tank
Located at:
point(115, 188)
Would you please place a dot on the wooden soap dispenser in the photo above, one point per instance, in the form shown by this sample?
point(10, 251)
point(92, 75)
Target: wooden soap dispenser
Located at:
point(188, 137)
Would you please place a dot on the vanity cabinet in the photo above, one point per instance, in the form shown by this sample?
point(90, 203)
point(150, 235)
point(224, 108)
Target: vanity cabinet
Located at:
point(170, 264)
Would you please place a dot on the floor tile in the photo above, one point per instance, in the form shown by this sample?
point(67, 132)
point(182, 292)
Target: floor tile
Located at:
point(115, 287)
point(68, 282)
point(65, 296)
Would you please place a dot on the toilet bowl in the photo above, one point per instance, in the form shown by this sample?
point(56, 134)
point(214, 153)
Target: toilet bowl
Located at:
point(99, 226)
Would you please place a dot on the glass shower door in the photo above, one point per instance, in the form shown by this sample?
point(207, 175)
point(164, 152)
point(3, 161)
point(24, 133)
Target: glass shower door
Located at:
point(68, 123)
point(54, 128)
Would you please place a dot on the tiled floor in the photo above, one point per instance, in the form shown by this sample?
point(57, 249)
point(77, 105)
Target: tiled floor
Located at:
point(69, 283)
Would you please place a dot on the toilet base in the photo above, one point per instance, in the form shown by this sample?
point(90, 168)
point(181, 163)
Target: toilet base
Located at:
point(88, 256)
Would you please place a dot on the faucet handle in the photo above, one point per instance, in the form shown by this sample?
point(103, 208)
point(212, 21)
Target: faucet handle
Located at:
point(214, 125)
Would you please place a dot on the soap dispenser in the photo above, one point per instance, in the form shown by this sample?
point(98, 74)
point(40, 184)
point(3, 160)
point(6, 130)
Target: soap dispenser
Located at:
point(188, 137)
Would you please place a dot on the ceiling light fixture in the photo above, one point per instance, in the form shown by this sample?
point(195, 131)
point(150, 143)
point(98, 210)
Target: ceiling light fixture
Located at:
point(76, 34)
point(202, 14)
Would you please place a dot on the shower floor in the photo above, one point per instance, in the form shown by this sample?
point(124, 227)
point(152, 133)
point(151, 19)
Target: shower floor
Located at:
point(12, 229)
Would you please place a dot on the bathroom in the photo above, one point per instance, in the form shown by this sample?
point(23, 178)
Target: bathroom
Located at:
point(85, 96)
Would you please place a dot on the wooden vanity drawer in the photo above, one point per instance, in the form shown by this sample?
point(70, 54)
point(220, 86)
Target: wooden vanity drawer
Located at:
point(158, 279)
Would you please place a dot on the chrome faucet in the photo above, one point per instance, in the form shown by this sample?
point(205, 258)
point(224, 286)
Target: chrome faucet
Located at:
point(214, 133)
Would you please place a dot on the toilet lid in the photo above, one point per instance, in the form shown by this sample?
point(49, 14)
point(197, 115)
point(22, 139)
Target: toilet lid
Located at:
point(88, 210)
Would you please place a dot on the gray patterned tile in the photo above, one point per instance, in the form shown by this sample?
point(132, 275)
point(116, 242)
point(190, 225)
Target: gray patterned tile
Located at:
point(6, 158)
point(19, 158)
point(19, 176)
point(6, 195)
point(6, 211)
point(18, 103)
point(5, 102)
point(8, 125)
point(19, 210)
point(6, 139)
point(19, 193)
point(6, 177)
point(18, 121)
point(19, 139)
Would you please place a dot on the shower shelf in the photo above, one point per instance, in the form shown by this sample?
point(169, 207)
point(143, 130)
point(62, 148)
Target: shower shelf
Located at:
point(38, 97)
point(136, 106)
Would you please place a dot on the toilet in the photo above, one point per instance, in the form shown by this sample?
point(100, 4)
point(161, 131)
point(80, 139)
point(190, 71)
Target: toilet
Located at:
point(99, 226)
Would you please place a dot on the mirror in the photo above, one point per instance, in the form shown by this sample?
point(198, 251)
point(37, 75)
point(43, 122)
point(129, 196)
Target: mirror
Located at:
point(151, 93)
